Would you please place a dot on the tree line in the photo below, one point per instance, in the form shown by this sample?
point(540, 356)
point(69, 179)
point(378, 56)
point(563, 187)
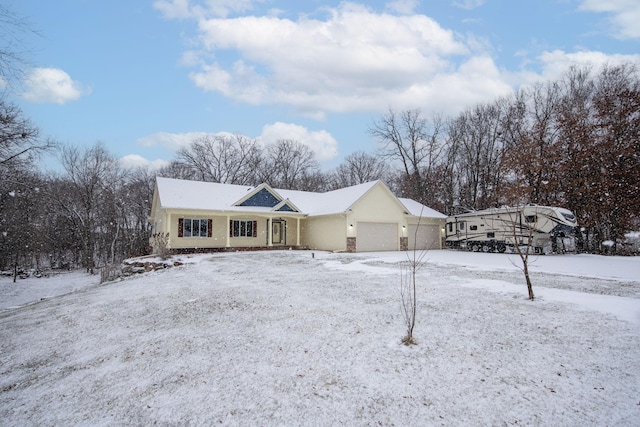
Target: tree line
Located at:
point(573, 142)
point(92, 214)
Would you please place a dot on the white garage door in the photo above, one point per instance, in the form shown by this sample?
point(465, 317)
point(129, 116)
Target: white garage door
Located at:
point(426, 238)
point(377, 236)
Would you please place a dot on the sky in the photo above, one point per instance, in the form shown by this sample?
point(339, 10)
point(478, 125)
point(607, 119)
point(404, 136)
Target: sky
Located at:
point(146, 77)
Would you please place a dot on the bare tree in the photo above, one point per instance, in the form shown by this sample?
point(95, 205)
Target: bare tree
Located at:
point(21, 227)
point(314, 180)
point(409, 298)
point(617, 151)
point(476, 137)
point(415, 143)
point(13, 53)
point(19, 138)
point(138, 194)
point(598, 126)
point(523, 242)
point(230, 159)
point(177, 170)
point(575, 113)
point(358, 168)
point(408, 287)
point(89, 175)
point(96, 213)
point(286, 164)
point(532, 156)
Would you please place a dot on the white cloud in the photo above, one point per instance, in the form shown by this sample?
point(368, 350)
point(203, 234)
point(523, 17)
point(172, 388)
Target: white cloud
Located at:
point(170, 141)
point(405, 7)
point(341, 64)
point(183, 9)
point(552, 65)
point(468, 4)
point(556, 62)
point(475, 81)
point(624, 15)
point(52, 85)
point(175, 9)
point(135, 161)
point(321, 142)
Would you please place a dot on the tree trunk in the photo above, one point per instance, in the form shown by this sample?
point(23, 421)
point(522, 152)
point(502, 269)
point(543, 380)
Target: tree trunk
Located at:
point(15, 268)
point(525, 263)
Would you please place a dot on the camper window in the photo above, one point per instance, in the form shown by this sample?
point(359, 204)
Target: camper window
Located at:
point(531, 218)
point(473, 227)
point(461, 225)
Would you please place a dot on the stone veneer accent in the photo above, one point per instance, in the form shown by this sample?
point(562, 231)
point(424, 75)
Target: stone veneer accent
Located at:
point(404, 243)
point(351, 244)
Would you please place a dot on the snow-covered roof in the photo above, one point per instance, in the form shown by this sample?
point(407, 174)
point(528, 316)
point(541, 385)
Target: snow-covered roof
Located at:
point(183, 194)
point(331, 202)
point(418, 209)
point(198, 195)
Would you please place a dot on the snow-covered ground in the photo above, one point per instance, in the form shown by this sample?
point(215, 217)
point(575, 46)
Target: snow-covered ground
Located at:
point(284, 338)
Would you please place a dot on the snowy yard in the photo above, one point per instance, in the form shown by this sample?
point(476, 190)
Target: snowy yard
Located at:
point(281, 338)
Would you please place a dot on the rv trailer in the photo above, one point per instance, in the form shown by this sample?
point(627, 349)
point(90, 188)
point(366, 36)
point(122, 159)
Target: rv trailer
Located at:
point(500, 229)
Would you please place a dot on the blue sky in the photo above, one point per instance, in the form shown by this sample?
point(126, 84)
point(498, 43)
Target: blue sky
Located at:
point(147, 76)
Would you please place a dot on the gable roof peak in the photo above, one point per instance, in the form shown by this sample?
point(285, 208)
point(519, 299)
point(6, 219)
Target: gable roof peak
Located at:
point(262, 195)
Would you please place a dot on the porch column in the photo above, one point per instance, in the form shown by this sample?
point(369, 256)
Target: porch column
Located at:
point(269, 232)
point(228, 231)
point(297, 231)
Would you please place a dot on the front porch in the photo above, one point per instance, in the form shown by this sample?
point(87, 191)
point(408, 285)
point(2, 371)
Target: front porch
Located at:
point(177, 251)
point(235, 231)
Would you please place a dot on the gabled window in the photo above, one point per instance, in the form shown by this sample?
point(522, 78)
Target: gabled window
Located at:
point(241, 228)
point(262, 198)
point(286, 208)
point(188, 227)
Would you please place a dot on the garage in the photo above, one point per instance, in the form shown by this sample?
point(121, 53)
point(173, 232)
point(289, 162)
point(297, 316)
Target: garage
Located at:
point(377, 236)
point(427, 236)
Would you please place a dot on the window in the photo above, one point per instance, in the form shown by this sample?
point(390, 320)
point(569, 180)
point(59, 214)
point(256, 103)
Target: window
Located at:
point(531, 218)
point(286, 208)
point(473, 227)
point(450, 227)
point(188, 227)
point(491, 235)
point(461, 225)
point(261, 198)
point(241, 228)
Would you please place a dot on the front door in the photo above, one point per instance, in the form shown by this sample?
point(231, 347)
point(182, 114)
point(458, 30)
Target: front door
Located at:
point(278, 233)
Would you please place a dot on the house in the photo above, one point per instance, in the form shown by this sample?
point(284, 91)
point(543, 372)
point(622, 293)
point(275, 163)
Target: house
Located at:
point(367, 217)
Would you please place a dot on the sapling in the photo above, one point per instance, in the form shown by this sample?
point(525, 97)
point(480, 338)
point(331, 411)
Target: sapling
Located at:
point(524, 249)
point(408, 286)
